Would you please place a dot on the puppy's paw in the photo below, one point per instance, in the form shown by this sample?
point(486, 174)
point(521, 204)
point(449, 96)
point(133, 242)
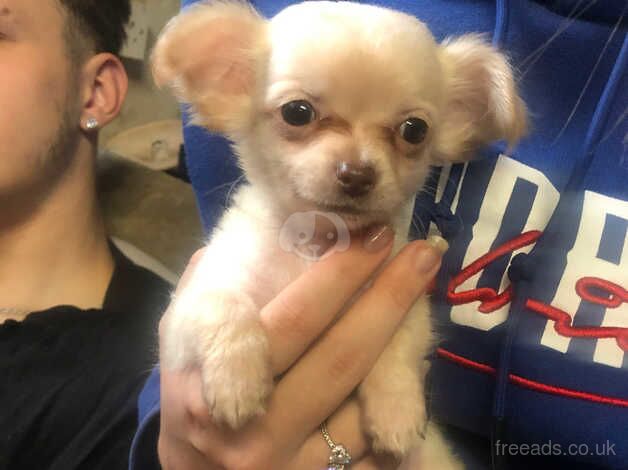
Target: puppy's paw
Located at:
point(395, 424)
point(235, 387)
point(220, 333)
point(393, 407)
point(235, 365)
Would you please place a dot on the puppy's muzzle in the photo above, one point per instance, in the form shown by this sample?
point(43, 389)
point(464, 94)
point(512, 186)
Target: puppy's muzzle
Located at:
point(355, 180)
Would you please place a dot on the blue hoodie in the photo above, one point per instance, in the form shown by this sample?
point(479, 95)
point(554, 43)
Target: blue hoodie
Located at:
point(531, 301)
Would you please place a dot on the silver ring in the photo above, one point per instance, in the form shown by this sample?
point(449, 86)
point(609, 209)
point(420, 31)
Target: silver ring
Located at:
point(339, 459)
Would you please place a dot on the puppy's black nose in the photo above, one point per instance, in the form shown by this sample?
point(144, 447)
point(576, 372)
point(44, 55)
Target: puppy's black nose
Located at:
point(355, 180)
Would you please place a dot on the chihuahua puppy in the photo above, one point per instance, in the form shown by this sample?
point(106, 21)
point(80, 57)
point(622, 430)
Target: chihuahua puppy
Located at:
point(332, 107)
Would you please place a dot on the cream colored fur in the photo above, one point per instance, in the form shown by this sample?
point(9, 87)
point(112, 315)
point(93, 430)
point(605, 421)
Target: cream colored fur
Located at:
point(365, 70)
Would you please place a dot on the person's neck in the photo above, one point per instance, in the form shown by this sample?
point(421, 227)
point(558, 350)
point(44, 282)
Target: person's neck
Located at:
point(58, 253)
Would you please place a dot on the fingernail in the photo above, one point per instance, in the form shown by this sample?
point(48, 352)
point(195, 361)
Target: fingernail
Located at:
point(439, 243)
point(377, 238)
point(427, 258)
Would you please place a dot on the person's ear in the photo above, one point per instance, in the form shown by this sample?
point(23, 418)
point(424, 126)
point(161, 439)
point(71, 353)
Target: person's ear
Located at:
point(211, 56)
point(482, 102)
point(104, 85)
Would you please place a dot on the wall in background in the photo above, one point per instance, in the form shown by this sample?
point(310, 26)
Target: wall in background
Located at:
point(145, 103)
point(148, 209)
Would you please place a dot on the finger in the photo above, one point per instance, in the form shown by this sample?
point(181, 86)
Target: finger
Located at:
point(185, 414)
point(342, 358)
point(182, 412)
point(190, 393)
point(299, 314)
point(220, 445)
point(344, 427)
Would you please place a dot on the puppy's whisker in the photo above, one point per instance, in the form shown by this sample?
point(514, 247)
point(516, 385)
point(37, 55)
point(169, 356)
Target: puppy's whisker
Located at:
point(430, 186)
point(430, 195)
point(429, 191)
point(234, 185)
point(416, 221)
point(218, 188)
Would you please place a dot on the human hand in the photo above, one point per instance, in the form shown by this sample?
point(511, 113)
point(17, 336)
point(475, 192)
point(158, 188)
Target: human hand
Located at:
point(316, 366)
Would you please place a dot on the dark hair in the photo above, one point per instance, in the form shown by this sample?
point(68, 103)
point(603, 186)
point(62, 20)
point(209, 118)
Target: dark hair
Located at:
point(96, 25)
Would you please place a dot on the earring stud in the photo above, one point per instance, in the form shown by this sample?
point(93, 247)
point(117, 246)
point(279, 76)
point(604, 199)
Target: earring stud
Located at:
point(91, 124)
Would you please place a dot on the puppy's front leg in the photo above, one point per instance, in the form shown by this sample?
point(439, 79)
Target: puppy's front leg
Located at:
point(392, 395)
point(214, 325)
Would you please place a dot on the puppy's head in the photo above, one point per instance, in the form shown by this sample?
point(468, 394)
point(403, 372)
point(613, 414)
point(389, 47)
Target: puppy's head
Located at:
point(337, 106)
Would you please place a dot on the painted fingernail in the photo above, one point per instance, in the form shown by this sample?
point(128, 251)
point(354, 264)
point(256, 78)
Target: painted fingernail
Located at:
point(427, 258)
point(439, 243)
point(377, 238)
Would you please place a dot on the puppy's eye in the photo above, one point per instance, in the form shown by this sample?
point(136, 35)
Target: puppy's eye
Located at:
point(298, 113)
point(413, 130)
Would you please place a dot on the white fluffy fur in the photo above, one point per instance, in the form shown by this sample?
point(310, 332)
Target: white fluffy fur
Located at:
point(365, 69)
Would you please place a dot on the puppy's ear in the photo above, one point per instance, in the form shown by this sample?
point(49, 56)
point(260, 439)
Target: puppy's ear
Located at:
point(482, 103)
point(211, 56)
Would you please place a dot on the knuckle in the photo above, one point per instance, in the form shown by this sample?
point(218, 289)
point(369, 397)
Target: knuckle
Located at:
point(290, 318)
point(197, 415)
point(342, 365)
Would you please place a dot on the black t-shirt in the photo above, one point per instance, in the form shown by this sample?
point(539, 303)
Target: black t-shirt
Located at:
point(70, 378)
